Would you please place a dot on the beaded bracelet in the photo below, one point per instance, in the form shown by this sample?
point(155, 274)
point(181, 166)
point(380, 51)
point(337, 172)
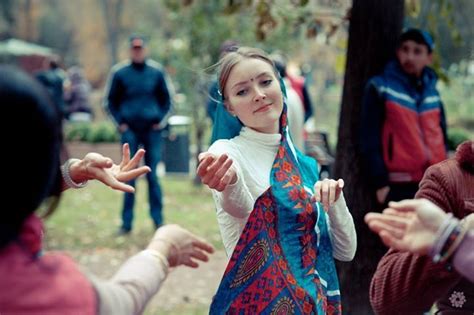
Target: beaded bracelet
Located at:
point(462, 230)
point(450, 241)
point(65, 170)
point(442, 234)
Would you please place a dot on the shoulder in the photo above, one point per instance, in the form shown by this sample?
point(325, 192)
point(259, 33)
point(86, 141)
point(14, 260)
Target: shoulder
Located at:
point(441, 172)
point(154, 65)
point(120, 67)
point(465, 155)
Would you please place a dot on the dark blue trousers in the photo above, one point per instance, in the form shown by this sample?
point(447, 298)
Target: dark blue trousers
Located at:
point(151, 141)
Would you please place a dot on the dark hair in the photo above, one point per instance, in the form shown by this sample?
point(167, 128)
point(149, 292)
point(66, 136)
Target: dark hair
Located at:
point(418, 36)
point(33, 140)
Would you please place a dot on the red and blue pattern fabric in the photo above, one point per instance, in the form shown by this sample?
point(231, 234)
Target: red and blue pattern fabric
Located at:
point(283, 263)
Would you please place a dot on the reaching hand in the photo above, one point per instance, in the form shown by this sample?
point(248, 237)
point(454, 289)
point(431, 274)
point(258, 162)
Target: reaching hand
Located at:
point(96, 166)
point(408, 225)
point(216, 172)
point(180, 246)
point(327, 192)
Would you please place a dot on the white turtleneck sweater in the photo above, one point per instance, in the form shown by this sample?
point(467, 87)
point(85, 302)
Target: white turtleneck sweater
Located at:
point(253, 154)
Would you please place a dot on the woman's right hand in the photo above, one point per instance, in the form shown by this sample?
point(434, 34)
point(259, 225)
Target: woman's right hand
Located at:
point(408, 225)
point(180, 246)
point(216, 171)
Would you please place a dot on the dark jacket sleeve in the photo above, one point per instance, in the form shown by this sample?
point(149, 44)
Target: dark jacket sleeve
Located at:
point(405, 283)
point(114, 97)
point(370, 136)
point(162, 94)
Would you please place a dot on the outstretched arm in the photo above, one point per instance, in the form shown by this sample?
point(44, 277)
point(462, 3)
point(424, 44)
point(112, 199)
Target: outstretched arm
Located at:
point(141, 276)
point(406, 282)
point(95, 166)
point(418, 226)
point(342, 229)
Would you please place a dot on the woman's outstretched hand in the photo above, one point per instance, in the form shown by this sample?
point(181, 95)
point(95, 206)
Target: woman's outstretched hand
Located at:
point(96, 166)
point(216, 171)
point(328, 192)
point(179, 246)
point(408, 225)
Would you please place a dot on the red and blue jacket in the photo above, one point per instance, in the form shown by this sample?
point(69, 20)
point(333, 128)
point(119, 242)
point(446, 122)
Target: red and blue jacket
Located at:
point(403, 126)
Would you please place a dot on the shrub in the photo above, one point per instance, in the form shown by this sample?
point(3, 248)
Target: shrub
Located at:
point(91, 132)
point(77, 131)
point(103, 132)
point(456, 136)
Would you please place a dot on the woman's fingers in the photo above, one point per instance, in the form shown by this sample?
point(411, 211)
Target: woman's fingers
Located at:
point(135, 161)
point(214, 174)
point(378, 226)
point(101, 162)
point(125, 154)
point(327, 192)
point(132, 174)
point(203, 245)
point(317, 191)
point(332, 192)
point(111, 181)
point(204, 163)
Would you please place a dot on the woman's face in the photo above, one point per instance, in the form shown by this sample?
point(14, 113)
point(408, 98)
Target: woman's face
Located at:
point(253, 94)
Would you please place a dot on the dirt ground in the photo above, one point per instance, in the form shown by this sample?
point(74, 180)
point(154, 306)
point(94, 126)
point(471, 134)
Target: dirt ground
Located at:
point(183, 286)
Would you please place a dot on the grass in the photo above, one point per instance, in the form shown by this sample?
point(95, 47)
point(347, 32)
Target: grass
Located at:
point(89, 218)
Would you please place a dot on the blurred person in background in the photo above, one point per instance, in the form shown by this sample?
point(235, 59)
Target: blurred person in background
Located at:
point(403, 125)
point(76, 96)
point(138, 98)
point(52, 77)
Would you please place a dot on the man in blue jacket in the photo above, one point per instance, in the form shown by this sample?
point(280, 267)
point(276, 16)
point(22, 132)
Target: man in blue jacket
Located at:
point(403, 125)
point(138, 99)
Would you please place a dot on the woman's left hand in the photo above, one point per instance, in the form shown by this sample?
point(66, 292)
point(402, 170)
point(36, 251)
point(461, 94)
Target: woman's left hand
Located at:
point(328, 192)
point(96, 166)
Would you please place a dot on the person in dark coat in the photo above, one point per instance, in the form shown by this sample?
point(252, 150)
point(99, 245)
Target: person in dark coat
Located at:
point(138, 99)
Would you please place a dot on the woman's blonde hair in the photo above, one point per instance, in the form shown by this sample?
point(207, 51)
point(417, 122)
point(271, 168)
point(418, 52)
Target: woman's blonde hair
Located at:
point(227, 63)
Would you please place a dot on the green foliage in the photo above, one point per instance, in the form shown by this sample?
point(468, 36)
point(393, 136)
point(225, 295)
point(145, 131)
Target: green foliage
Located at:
point(88, 219)
point(103, 132)
point(77, 131)
point(450, 25)
point(456, 136)
point(91, 132)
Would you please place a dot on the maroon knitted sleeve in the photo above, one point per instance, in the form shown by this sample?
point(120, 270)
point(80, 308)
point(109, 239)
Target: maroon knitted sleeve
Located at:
point(405, 283)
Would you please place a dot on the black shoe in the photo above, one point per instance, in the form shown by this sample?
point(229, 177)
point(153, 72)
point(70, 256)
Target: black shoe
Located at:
point(157, 226)
point(122, 232)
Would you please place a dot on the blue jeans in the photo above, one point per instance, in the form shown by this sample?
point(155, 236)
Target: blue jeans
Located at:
point(151, 141)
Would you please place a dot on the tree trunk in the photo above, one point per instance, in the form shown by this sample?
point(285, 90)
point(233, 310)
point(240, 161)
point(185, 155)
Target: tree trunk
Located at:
point(112, 11)
point(374, 28)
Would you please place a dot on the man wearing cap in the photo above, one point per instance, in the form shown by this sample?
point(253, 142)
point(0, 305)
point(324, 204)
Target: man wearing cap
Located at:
point(403, 126)
point(138, 98)
point(403, 132)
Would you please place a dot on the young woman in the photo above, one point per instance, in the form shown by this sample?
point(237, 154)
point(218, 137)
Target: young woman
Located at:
point(34, 282)
point(280, 241)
